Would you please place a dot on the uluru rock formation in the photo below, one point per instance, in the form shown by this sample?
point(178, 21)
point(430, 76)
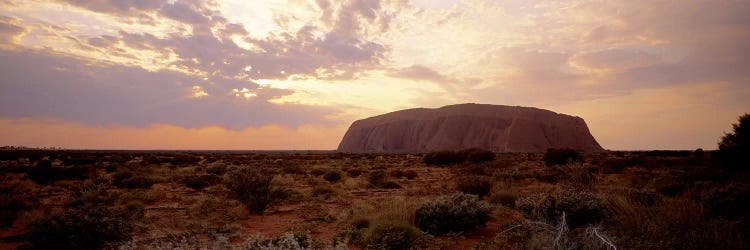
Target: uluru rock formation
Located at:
point(494, 127)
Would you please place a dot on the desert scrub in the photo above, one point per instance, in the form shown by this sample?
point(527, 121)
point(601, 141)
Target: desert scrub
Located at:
point(376, 177)
point(288, 240)
point(505, 197)
point(410, 174)
point(474, 155)
point(354, 172)
point(392, 235)
point(200, 181)
point(124, 178)
point(93, 228)
point(581, 208)
point(443, 158)
point(254, 189)
point(90, 221)
point(479, 186)
point(561, 156)
point(332, 176)
point(13, 201)
point(323, 191)
point(452, 213)
point(477, 155)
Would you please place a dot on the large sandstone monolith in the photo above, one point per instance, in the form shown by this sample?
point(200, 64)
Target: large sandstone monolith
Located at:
point(495, 127)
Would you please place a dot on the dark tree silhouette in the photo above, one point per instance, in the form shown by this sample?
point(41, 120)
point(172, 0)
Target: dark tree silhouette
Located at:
point(734, 147)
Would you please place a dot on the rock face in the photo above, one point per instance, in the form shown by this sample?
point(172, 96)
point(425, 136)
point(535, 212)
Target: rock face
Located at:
point(493, 127)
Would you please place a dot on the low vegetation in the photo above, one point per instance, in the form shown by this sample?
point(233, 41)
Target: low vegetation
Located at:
point(452, 213)
point(470, 199)
point(443, 158)
point(254, 189)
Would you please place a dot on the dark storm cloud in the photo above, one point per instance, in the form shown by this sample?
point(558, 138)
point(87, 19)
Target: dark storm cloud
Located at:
point(41, 84)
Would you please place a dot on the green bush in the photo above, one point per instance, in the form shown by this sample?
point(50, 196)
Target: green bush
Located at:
point(561, 156)
point(332, 176)
point(479, 186)
point(254, 189)
point(393, 235)
point(452, 213)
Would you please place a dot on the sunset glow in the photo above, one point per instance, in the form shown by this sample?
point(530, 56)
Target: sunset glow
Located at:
point(294, 74)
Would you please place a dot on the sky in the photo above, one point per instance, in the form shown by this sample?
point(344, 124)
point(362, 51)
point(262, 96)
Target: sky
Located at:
point(294, 74)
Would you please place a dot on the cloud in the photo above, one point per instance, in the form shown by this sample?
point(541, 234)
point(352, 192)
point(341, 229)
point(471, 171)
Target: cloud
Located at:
point(423, 73)
point(9, 30)
point(40, 84)
point(341, 51)
point(614, 60)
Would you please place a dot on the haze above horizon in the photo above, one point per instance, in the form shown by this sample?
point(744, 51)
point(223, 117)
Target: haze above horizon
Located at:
point(294, 74)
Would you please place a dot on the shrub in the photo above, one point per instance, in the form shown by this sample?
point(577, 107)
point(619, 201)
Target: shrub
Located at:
point(581, 208)
point(13, 201)
point(354, 172)
point(442, 158)
point(42, 172)
point(506, 198)
point(292, 169)
point(389, 185)
point(527, 203)
point(134, 209)
point(332, 176)
point(317, 172)
point(452, 213)
point(393, 235)
point(360, 223)
point(217, 169)
point(126, 179)
point(561, 156)
point(288, 240)
point(397, 173)
point(475, 185)
point(323, 191)
point(410, 174)
point(376, 178)
point(254, 189)
point(734, 147)
point(90, 228)
point(477, 155)
point(200, 181)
